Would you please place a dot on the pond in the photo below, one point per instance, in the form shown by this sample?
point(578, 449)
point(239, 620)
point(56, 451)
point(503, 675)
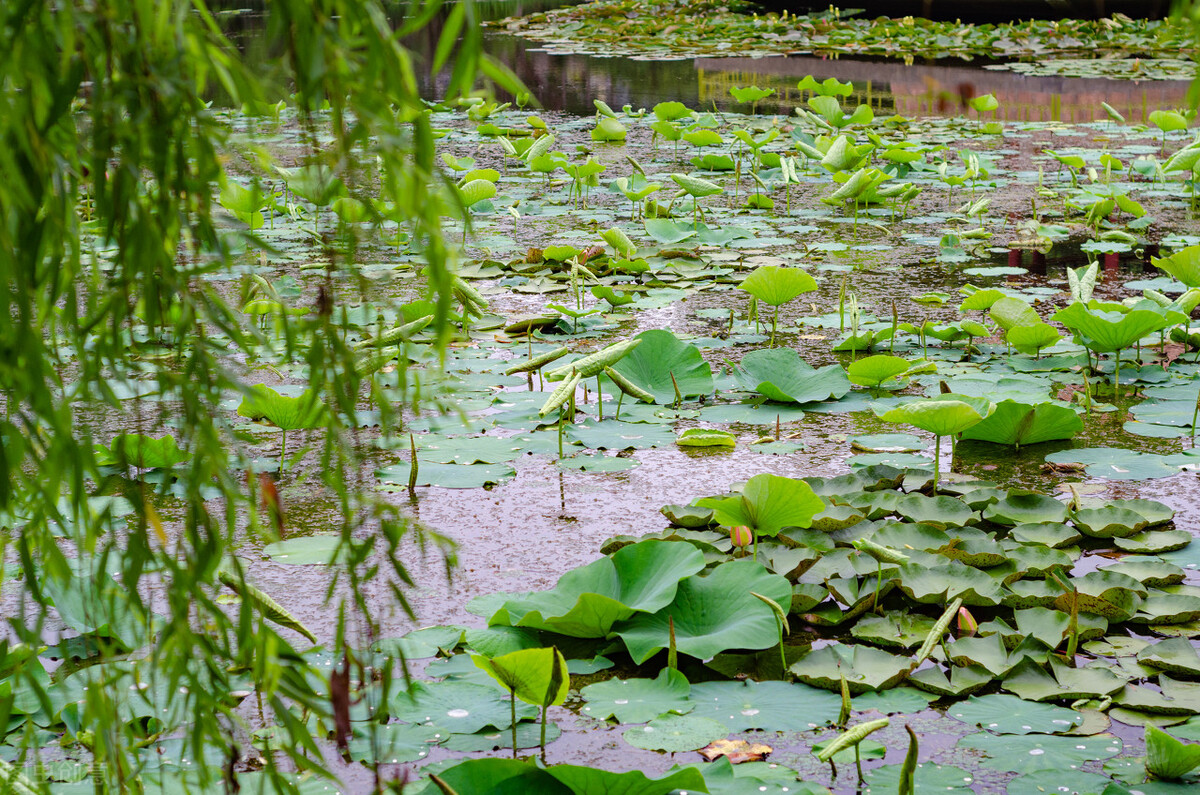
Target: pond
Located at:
point(741, 516)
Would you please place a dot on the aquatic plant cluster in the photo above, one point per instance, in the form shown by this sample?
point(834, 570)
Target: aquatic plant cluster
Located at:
point(668, 278)
point(664, 29)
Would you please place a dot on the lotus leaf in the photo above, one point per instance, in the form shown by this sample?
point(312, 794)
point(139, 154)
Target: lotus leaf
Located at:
point(529, 735)
point(927, 778)
point(1031, 339)
point(1153, 542)
point(768, 503)
point(1023, 507)
point(395, 742)
point(638, 700)
point(1184, 265)
point(1175, 655)
point(941, 512)
point(1168, 758)
point(1175, 699)
point(942, 584)
point(781, 375)
point(873, 371)
point(706, 437)
point(587, 601)
point(446, 476)
point(1051, 534)
point(893, 630)
point(1151, 572)
point(1168, 608)
point(1106, 332)
point(456, 707)
point(675, 733)
point(712, 614)
point(529, 674)
point(943, 415)
point(1074, 781)
point(962, 681)
point(1108, 522)
point(144, 452)
point(776, 285)
point(864, 668)
point(767, 706)
point(1010, 313)
point(1114, 596)
point(1027, 753)
point(1004, 714)
point(1018, 423)
point(501, 776)
point(659, 356)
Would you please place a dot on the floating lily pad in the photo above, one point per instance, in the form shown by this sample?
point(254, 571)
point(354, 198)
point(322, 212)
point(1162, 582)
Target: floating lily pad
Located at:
point(1004, 714)
point(638, 700)
point(456, 707)
point(865, 669)
point(782, 376)
point(1027, 753)
point(928, 778)
point(675, 733)
point(446, 476)
point(315, 549)
point(768, 706)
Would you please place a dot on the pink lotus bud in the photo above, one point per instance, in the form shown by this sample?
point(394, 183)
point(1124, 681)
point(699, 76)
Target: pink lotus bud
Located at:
point(741, 535)
point(967, 625)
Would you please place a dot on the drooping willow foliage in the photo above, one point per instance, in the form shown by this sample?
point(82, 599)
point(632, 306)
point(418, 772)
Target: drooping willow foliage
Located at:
point(111, 155)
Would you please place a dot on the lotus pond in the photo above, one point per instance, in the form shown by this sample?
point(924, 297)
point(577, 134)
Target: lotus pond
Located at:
point(853, 452)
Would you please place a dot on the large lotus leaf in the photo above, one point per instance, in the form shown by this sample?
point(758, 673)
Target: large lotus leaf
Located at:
point(1108, 522)
point(1151, 572)
point(1020, 424)
point(638, 700)
point(1168, 758)
point(536, 676)
point(942, 512)
point(768, 503)
point(1104, 593)
point(874, 370)
point(1037, 560)
point(767, 706)
point(864, 668)
point(1031, 681)
point(510, 776)
point(395, 742)
point(894, 630)
point(613, 434)
point(1051, 534)
point(999, 713)
point(1026, 753)
point(1175, 698)
point(1154, 542)
point(1051, 626)
point(1184, 265)
point(1111, 331)
point(139, 450)
point(975, 548)
point(776, 285)
point(1168, 608)
point(660, 355)
point(457, 707)
point(446, 476)
point(587, 601)
point(781, 375)
point(529, 735)
point(1009, 313)
point(287, 413)
point(904, 537)
point(1025, 507)
point(1176, 655)
point(942, 415)
point(1154, 512)
point(940, 585)
point(1072, 781)
point(675, 733)
point(752, 778)
point(990, 653)
point(712, 614)
point(1032, 338)
point(962, 680)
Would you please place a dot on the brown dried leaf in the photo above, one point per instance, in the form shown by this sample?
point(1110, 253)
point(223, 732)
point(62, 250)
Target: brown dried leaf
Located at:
point(737, 751)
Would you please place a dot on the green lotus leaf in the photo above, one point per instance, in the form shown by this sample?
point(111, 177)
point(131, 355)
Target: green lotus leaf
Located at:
point(143, 452)
point(1150, 572)
point(768, 503)
point(706, 437)
point(1114, 596)
point(893, 630)
point(941, 512)
point(974, 548)
point(903, 536)
point(660, 355)
point(990, 653)
point(943, 415)
point(961, 681)
point(530, 675)
point(1153, 542)
point(1173, 697)
point(781, 375)
point(1000, 713)
point(886, 442)
point(638, 700)
point(1111, 331)
point(1010, 313)
point(927, 778)
point(776, 285)
point(1168, 758)
point(395, 742)
point(942, 584)
point(1018, 423)
point(457, 707)
point(1184, 265)
point(1154, 512)
point(1108, 522)
point(1051, 534)
point(1074, 781)
point(506, 776)
point(1037, 560)
point(766, 706)
point(864, 668)
point(1033, 338)
point(675, 733)
point(529, 735)
point(873, 371)
point(286, 413)
point(1174, 655)
point(712, 614)
point(1052, 627)
point(1027, 753)
point(587, 601)
point(671, 111)
point(1168, 608)
point(669, 232)
point(1032, 682)
point(1026, 507)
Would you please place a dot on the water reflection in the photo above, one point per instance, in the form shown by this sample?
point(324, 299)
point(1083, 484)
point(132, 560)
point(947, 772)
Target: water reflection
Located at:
point(570, 82)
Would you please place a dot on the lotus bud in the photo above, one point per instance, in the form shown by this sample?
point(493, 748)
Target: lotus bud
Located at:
point(967, 625)
point(741, 536)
